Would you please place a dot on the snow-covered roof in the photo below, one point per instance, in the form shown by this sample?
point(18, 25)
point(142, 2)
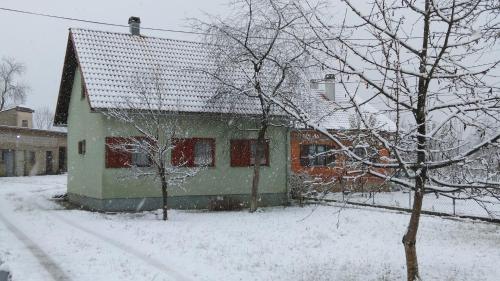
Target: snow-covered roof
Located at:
point(110, 63)
point(338, 114)
point(18, 107)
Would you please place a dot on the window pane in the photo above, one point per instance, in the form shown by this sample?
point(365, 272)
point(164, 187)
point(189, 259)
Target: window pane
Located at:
point(253, 152)
point(140, 156)
point(360, 151)
point(320, 155)
point(203, 153)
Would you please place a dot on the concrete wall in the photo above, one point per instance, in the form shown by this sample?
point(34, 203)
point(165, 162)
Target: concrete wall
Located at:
point(8, 118)
point(13, 117)
point(24, 116)
point(22, 163)
point(84, 171)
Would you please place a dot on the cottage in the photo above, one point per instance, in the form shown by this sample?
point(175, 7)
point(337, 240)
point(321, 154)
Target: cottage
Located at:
point(25, 151)
point(98, 69)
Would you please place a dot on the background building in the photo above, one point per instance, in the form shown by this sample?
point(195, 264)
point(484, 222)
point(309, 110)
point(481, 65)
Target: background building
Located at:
point(25, 151)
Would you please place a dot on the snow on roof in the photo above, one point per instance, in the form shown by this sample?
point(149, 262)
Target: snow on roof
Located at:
point(111, 61)
point(19, 107)
point(331, 115)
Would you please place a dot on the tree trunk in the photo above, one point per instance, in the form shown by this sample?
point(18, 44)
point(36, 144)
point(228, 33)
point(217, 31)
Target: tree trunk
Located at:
point(259, 153)
point(165, 198)
point(410, 237)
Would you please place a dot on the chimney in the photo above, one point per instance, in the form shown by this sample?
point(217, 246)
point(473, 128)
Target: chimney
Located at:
point(330, 86)
point(135, 25)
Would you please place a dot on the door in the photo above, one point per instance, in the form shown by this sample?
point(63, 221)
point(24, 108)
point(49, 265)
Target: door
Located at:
point(48, 163)
point(9, 157)
point(62, 159)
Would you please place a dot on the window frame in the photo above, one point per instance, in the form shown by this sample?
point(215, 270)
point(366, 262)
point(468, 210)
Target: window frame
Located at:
point(184, 152)
point(25, 123)
point(306, 159)
point(244, 148)
point(148, 162)
point(116, 158)
point(82, 147)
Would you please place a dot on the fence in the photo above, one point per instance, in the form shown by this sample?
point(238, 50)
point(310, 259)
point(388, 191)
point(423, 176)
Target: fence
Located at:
point(431, 203)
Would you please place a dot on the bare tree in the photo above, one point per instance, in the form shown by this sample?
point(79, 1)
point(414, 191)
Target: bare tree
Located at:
point(145, 112)
point(43, 118)
point(12, 91)
point(429, 62)
point(254, 61)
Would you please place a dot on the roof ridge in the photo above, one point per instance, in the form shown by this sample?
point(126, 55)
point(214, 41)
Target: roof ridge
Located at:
point(71, 29)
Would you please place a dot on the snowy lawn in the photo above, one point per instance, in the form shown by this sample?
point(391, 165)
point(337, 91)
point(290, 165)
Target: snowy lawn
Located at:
point(431, 202)
point(275, 244)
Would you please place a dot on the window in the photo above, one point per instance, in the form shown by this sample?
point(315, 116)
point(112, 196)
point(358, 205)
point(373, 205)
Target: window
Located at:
point(314, 85)
point(366, 152)
point(203, 152)
point(193, 152)
point(253, 153)
point(82, 90)
point(316, 155)
point(24, 123)
point(140, 157)
point(360, 151)
point(81, 147)
point(3, 154)
point(127, 152)
point(243, 153)
point(31, 158)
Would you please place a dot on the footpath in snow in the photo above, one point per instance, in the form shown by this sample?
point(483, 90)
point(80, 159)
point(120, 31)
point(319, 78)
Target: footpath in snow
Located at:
point(40, 240)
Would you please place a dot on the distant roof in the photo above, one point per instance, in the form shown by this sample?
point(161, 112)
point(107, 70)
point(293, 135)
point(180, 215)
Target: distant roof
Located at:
point(4, 128)
point(332, 115)
point(110, 62)
point(21, 108)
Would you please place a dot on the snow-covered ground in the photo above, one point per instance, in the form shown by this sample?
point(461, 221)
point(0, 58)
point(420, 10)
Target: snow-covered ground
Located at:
point(489, 209)
point(39, 240)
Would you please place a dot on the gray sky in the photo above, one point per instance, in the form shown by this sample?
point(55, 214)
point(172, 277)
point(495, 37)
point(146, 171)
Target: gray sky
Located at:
point(40, 43)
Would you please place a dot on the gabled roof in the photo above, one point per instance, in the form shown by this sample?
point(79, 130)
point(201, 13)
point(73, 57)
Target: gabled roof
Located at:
point(332, 115)
point(110, 62)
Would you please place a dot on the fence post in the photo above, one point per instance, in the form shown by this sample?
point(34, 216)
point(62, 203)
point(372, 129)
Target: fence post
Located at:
point(454, 206)
point(373, 198)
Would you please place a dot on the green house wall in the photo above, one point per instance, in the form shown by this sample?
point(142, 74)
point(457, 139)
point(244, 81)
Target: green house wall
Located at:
point(93, 185)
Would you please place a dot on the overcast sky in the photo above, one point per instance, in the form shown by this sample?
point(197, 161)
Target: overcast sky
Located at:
point(40, 43)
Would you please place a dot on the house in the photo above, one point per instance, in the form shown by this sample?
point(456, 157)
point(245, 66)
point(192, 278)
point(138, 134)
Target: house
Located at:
point(309, 148)
point(25, 151)
point(97, 73)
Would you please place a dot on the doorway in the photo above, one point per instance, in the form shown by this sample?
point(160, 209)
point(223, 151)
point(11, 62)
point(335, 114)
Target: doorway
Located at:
point(49, 169)
point(8, 156)
point(62, 159)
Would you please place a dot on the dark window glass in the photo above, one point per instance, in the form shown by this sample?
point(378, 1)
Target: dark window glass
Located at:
point(316, 155)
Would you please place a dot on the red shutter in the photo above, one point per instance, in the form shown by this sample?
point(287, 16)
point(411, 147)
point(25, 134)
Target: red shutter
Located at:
point(116, 158)
point(183, 152)
point(240, 153)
